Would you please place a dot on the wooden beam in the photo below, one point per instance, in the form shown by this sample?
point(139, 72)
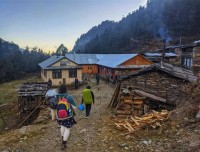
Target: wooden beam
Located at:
point(148, 95)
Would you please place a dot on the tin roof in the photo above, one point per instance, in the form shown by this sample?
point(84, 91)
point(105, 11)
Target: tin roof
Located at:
point(85, 58)
point(108, 60)
point(50, 61)
point(114, 60)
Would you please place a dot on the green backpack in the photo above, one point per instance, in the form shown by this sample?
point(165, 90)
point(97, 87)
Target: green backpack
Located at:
point(87, 96)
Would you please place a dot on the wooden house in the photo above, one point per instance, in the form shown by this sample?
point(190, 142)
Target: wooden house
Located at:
point(157, 86)
point(88, 62)
point(111, 64)
point(119, 64)
point(60, 70)
point(64, 69)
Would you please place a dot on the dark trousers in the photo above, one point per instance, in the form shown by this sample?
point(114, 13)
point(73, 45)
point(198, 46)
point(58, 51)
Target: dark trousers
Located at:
point(87, 109)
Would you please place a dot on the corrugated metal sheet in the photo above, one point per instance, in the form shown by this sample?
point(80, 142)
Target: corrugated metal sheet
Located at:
point(113, 60)
point(108, 60)
point(84, 58)
point(50, 61)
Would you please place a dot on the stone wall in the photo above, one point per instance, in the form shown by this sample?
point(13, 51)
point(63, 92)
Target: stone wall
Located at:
point(160, 84)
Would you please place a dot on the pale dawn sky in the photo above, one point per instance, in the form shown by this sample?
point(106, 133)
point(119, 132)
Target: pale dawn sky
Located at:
point(49, 23)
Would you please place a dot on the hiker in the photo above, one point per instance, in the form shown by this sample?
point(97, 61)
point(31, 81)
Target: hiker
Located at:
point(65, 113)
point(76, 83)
point(97, 78)
point(107, 78)
point(87, 99)
point(49, 83)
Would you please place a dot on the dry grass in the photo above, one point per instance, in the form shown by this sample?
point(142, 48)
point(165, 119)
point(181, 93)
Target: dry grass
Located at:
point(8, 93)
point(8, 96)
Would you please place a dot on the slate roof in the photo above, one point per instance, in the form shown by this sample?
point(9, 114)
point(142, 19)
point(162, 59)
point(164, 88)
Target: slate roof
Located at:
point(160, 54)
point(167, 68)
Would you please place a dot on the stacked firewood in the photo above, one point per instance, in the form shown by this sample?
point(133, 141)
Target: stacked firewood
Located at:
point(32, 89)
point(131, 106)
point(153, 120)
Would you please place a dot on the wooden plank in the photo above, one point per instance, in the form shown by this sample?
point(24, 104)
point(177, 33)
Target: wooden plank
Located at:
point(114, 95)
point(29, 115)
point(151, 96)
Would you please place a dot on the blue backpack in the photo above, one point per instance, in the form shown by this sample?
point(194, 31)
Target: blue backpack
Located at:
point(53, 102)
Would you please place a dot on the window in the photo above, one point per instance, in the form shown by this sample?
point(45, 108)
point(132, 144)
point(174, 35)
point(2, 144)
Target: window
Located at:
point(63, 63)
point(56, 74)
point(72, 73)
point(188, 62)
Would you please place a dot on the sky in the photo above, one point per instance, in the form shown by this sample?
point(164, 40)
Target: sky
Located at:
point(48, 23)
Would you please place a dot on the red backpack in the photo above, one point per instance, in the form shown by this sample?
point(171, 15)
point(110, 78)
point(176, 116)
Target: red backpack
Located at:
point(64, 109)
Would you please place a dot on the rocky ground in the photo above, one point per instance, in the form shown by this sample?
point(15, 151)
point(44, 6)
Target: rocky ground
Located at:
point(98, 133)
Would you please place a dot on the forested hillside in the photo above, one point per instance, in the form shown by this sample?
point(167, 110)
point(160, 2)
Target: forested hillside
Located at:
point(15, 63)
point(159, 19)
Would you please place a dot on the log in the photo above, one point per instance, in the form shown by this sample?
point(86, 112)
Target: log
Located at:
point(139, 98)
point(129, 126)
point(135, 121)
point(128, 102)
point(148, 95)
point(124, 106)
point(138, 102)
point(124, 112)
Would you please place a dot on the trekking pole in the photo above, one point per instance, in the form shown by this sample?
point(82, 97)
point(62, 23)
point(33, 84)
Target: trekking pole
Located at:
point(3, 117)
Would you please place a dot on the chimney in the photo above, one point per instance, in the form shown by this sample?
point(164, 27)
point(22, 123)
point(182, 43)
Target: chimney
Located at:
point(163, 52)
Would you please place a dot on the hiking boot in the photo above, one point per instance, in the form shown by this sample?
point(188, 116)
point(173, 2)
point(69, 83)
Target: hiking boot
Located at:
point(64, 146)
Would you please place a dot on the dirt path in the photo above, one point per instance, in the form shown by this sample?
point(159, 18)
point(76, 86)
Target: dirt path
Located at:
point(85, 135)
point(98, 134)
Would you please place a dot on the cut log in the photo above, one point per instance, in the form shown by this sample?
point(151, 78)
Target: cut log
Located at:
point(135, 121)
point(124, 106)
point(139, 98)
point(129, 126)
point(124, 112)
point(140, 102)
point(128, 101)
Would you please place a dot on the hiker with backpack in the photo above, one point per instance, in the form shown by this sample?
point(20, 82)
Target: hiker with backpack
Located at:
point(87, 99)
point(65, 113)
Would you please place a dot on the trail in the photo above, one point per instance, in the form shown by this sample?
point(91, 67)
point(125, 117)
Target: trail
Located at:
point(98, 133)
point(84, 136)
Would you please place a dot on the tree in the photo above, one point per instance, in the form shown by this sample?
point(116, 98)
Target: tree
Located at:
point(62, 50)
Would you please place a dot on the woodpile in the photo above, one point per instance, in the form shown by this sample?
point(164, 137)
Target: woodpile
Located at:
point(153, 120)
point(130, 101)
point(33, 89)
point(30, 95)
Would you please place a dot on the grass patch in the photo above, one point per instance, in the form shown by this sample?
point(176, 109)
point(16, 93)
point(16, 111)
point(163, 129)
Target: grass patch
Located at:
point(8, 90)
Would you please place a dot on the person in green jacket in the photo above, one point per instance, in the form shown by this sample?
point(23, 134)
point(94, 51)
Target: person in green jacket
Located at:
point(88, 99)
